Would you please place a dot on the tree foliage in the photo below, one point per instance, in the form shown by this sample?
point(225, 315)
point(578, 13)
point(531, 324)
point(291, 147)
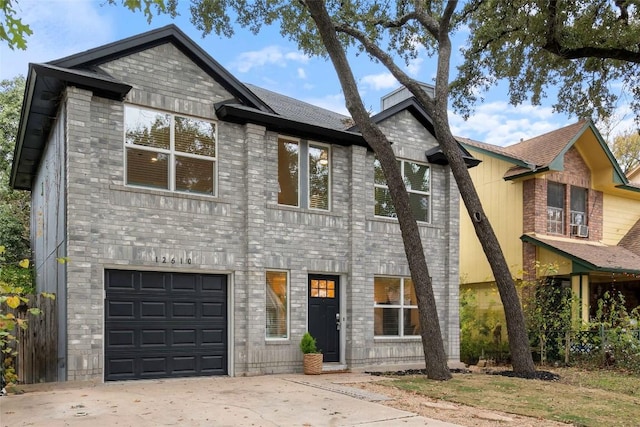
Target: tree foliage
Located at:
point(626, 149)
point(584, 49)
point(14, 205)
point(12, 30)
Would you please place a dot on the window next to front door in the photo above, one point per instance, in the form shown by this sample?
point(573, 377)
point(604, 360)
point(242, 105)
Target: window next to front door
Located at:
point(277, 291)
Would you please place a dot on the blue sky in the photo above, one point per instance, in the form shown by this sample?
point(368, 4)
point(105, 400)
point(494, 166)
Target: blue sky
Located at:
point(65, 27)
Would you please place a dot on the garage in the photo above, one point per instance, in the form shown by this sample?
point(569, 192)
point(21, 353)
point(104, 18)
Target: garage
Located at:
point(164, 324)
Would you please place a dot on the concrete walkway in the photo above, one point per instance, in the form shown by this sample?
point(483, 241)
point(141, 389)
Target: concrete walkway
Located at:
point(270, 400)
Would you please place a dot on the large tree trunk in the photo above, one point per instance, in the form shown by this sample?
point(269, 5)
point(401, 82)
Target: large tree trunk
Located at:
point(521, 358)
point(435, 356)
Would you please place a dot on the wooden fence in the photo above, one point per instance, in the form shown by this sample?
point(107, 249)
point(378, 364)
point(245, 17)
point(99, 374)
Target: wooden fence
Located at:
point(37, 346)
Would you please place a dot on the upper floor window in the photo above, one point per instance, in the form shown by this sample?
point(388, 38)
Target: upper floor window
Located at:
point(417, 180)
point(579, 212)
point(395, 307)
point(578, 206)
point(170, 152)
point(555, 208)
point(311, 161)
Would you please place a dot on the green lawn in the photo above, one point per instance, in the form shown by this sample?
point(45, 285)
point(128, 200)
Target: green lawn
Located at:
point(582, 398)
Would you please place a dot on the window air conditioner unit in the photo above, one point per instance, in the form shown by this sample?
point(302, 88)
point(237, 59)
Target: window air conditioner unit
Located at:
point(580, 230)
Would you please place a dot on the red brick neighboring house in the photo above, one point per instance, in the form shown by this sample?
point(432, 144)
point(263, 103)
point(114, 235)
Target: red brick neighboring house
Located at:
point(568, 204)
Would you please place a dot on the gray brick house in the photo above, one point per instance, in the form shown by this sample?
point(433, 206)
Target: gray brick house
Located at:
point(208, 224)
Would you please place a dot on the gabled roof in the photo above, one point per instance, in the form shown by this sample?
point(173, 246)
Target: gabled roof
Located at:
point(167, 34)
point(589, 255)
point(544, 149)
point(46, 83)
point(546, 152)
point(631, 240)
point(411, 104)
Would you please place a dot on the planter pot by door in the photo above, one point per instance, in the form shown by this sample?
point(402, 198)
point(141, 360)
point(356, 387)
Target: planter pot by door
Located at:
point(312, 364)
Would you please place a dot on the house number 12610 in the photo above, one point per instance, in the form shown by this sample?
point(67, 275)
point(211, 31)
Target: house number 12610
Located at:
point(172, 260)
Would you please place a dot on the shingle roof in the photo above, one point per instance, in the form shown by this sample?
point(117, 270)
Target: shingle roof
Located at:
point(496, 149)
point(592, 255)
point(300, 111)
point(631, 240)
point(543, 149)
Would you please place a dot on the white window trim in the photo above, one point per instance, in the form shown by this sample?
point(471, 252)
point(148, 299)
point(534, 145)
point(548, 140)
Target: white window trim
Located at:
point(296, 141)
point(400, 306)
point(303, 155)
point(385, 186)
point(328, 147)
point(171, 152)
point(275, 270)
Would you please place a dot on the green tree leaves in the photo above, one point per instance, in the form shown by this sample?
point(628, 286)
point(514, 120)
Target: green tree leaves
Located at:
point(12, 30)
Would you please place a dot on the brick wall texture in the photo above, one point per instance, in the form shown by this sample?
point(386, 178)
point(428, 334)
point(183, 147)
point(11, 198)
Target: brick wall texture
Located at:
point(242, 231)
point(577, 174)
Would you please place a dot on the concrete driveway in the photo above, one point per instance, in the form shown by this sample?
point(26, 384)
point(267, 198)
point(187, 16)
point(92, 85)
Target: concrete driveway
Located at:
point(270, 400)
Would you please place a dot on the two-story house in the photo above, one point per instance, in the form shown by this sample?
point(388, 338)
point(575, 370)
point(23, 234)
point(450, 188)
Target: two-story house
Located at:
point(559, 199)
point(208, 224)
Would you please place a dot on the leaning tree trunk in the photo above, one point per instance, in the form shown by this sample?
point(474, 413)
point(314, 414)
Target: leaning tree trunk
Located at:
point(521, 358)
point(433, 347)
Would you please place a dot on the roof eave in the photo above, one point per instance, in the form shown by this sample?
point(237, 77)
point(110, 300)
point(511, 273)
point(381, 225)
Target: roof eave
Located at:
point(527, 174)
point(43, 90)
point(168, 33)
point(494, 154)
point(240, 114)
point(586, 264)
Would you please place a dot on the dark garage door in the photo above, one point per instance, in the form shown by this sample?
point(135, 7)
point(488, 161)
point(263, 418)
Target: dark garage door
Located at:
point(160, 324)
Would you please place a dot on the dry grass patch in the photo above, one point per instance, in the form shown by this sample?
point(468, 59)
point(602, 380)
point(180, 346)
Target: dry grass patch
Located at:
point(580, 398)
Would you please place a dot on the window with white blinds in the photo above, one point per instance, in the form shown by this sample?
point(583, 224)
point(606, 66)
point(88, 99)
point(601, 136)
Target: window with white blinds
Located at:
point(170, 152)
point(277, 309)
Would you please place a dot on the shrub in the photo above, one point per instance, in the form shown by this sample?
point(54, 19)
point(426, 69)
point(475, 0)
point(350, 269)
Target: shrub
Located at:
point(308, 344)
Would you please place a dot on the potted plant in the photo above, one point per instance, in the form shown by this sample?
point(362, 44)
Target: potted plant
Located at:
point(312, 363)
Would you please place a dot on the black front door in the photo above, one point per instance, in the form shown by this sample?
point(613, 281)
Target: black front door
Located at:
point(324, 314)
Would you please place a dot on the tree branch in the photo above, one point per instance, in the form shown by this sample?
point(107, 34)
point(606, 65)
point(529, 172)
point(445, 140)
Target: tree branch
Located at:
point(375, 51)
point(554, 44)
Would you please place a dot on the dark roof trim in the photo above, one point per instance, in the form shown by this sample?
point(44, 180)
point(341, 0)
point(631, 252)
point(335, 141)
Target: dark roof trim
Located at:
point(629, 187)
point(436, 156)
point(236, 113)
point(43, 92)
point(100, 84)
point(535, 171)
point(409, 104)
point(172, 34)
point(575, 260)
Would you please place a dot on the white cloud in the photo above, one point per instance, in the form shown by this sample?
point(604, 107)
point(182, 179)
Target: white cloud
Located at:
point(502, 124)
point(301, 73)
point(380, 81)
point(60, 28)
point(414, 66)
point(269, 55)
